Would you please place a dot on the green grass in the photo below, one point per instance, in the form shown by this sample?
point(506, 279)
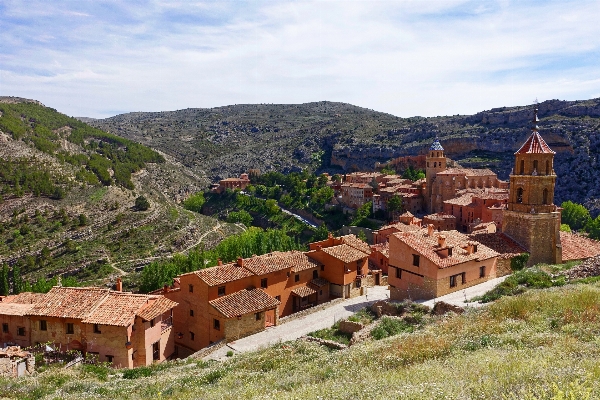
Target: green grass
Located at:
point(543, 344)
point(364, 316)
point(333, 334)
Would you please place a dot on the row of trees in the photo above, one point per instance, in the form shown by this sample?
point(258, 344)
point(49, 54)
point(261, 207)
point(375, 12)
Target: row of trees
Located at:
point(11, 282)
point(253, 241)
point(578, 218)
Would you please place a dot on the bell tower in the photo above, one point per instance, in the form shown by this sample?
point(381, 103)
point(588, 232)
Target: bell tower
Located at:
point(532, 219)
point(435, 162)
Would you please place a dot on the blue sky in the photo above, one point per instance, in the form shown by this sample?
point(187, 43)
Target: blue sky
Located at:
point(98, 59)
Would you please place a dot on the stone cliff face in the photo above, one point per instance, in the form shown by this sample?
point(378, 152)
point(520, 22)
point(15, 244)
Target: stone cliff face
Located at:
point(338, 137)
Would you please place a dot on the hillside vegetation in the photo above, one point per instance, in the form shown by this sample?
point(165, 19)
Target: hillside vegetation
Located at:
point(338, 137)
point(539, 345)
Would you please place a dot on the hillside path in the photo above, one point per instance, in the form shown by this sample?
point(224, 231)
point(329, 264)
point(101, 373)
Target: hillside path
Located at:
point(326, 318)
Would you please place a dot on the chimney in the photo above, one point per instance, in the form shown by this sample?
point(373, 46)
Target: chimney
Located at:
point(219, 261)
point(119, 285)
point(430, 230)
point(166, 289)
point(240, 262)
point(442, 241)
point(469, 248)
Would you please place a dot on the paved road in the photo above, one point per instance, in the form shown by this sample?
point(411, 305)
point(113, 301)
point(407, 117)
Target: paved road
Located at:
point(329, 316)
point(301, 326)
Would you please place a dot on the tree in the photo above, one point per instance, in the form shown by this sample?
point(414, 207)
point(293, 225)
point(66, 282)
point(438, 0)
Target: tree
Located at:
point(142, 203)
point(4, 283)
point(242, 216)
point(321, 233)
point(593, 228)
point(17, 280)
point(194, 202)
point(83, 220)
point(394, 204)
point(575, 215)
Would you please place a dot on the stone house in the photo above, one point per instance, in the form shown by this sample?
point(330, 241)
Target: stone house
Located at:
point(381, 235)
point(240, 183)
point(440, 221)
point(124, 329)
point(15, 362)
point(14, 320)
point(427, 264)
point(379, 257)
point(355, 195)
point(485, 205)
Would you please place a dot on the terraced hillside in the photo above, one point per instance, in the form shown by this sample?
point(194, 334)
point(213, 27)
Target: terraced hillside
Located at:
point(226, 141)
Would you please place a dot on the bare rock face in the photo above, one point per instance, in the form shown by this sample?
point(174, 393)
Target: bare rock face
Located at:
point(441, 308)
point(588, 268)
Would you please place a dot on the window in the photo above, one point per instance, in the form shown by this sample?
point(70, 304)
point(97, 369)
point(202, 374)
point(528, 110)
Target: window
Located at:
point(545, 196)
point(152, 323)
point(522, 167)
point(70, 328)
point(463, 277)
point(109, 358)
point(221, 291)
point(535, 165)
point(192, 335)
point(21, 331)
point(416, 260)
point(191, 288)
point(191, 313)
point(278, 298)
point(216, 324)
point(453, 281)
point(398, 273)
point(315, 274)
point(322, 268)
point(97, 328)
point(258, 316)
point(320, 293)
point(449, 251)
point(156, 350)
point(519, 195)
point(263, 283)
point(43, 325)
point(296, 278)
point(5, 328)
point(482, 271)
point(547, 167)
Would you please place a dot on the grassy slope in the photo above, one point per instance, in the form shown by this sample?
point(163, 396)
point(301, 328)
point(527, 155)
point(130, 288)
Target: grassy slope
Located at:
point(530, 346)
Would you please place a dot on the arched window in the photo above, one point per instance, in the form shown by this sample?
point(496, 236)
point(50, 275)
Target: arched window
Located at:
point(427, 164)
point(547, 167)
point(522, 167)
point(519, 195)
point(434, 164)
point(545, 196)
point(535, 165)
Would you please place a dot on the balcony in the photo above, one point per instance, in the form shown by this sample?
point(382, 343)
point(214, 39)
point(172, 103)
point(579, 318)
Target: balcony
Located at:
point(166, 324)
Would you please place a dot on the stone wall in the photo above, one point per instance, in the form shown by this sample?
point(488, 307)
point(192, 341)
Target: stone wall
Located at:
point(208, 350)
point(538, 233)
point(309, 311)
point(350, 326)
point(503, 267)
point(329, 343)
point(9, 366)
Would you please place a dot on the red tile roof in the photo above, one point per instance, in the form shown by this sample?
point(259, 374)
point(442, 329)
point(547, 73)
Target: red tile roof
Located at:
point(383, 248)
point(400, 227)
point(439, 217)
point(303, 291)
point(276, 261)
point(426, 246)
point(499, 242)
point(117, 309)
point(18, 309)
point(345, 253)
point(68, 302)
point(467, 172)
point(25, 298)
point(577, 247)
point(222, 274)
point(244, 302)
point(156, 306)
point(319, 282)
point(358, 244)
point(535, 145)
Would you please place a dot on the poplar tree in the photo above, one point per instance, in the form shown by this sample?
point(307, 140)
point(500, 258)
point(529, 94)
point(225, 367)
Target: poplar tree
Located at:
point(4, 284)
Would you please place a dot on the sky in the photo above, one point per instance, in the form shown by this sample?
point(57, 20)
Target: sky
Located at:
point(407, 58)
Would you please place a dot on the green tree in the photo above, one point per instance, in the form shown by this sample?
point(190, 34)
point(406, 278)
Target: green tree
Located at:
point(142, 203)
point(394, 204)
point(4, 283)
point(593, 228)
point(321, 233)
point(83, 220)
point(17, 280)
point(194, 202)
point(242, 216)
point(575, 215)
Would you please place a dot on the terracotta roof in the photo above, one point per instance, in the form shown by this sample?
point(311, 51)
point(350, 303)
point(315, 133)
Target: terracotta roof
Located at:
point(577, 247)
point(499, 242)
point(244, 302)
point(407, 214)
point(117, 309)
point(400, 227)
point(535, 145)
point(69, 302)
point(467, 172)
point(14, 308)
point(303, 291)
point(426, 246)
point(439, 217)
point(463, 200)
point(156, 307)
point(319, 282)
point(383, 248)
point(25, 298)
point(358, 244)
point(345, 253)
point(276, 261)
point(222, 274)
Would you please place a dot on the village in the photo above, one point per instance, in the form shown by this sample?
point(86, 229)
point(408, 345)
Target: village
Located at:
point(457, 228)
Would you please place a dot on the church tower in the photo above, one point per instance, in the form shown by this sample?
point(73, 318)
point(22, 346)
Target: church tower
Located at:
point(435, 162)
point(532, 219)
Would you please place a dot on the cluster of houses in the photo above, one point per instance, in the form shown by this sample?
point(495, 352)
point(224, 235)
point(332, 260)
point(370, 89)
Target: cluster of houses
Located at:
point(418, 258)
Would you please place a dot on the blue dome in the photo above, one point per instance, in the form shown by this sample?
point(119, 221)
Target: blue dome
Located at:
point(436, 145)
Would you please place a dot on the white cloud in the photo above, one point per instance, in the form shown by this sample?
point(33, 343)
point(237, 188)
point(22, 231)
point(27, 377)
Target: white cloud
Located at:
point(405, 58)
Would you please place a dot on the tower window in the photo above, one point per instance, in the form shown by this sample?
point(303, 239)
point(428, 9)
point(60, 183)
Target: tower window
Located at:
point(434, 164)
point(545, 196)
point(535, 165)
point(522, 169)
point(547, 167)
point(519, 195)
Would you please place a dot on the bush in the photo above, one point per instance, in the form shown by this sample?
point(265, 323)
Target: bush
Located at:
point(390, 327)
point(142, 203)
point(138, 372)
point(230, 353)
point(194, 202)
point(519, 262)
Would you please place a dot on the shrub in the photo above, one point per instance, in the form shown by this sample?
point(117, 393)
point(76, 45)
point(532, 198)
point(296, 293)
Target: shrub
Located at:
point(137, 372)
point(194, 202)
point(390, 327)
point(230, 353)
point(142, 203)
point(519, 262)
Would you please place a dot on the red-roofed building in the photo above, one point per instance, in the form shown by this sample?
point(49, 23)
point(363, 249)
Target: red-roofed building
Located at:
point(240, 183)
point(578, 247)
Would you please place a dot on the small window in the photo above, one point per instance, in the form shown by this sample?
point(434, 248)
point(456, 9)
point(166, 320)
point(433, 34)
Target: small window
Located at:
point(416, 260)
point(21, 331)
point(152, 323)
point(463, 278)
point(216, 324)
point(192, 335)
point(156, 350)
point(320, 293)
point(43, 325)
point(221, 291)
point(70, 328)
point(315, 274)
point(5, 328)
point(278, 298)
point(296, 278)
point(322, 268)
point(97, 328)
point(482, 271)
point(263, 283)
point(398, 273)
point(258, 316)
point(191, 313)
point(191, 288)
point(453, 281)
point(109, 358)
